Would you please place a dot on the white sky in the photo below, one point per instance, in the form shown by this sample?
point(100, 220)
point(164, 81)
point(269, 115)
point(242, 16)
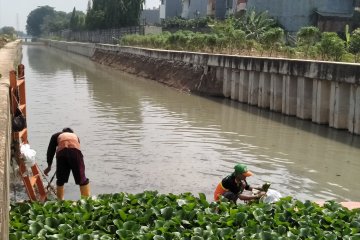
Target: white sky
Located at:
point(14, 12)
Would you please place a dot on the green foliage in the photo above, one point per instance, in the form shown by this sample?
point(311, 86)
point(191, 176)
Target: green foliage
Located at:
point(150, 215)
point(307, 37)
point(354, 44)
point(181, 23)
point(255, 24)
point(331, 46)
point(77, 20)
point(272, 38)
point(347, 35)
point(107, 14)
point(54, 23)
point(10, 31)
point(36, 19)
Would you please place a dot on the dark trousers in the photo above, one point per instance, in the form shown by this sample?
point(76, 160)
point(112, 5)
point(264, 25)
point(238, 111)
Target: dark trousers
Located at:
point(70, 159)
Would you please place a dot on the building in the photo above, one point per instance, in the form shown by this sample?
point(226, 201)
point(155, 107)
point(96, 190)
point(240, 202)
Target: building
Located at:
point(150, 16)
point(328, 15)
point(199, 8)
point(170, 8)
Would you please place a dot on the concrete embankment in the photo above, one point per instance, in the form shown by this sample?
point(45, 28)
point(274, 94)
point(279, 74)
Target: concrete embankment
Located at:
point(10, 57)
point(322, 92)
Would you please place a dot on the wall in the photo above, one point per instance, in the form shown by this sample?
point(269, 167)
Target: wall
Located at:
point(220, 9)
point(322, 92)
point(173, 8)
point(198, 8)
point(150, 16)
point(295, 14)
point(10, 56)
point(84, 49)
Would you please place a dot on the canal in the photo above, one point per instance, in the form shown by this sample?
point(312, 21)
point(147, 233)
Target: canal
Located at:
point(138, 135)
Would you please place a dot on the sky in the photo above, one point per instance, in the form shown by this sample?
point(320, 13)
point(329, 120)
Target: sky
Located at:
point(14, 13)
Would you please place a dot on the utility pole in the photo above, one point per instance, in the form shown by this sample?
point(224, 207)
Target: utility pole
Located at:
point(0, 12)
point(17, 22)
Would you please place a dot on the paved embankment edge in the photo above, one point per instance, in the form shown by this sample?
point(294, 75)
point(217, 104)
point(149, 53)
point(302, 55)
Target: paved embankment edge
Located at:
point(10, 57)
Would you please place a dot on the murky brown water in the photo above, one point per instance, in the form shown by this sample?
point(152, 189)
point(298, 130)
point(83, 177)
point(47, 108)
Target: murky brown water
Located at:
point(139, 135)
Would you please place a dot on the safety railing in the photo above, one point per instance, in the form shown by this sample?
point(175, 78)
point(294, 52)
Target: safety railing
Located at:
point(31, 178)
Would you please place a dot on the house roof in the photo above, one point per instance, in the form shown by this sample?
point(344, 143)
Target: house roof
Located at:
point(330, 14)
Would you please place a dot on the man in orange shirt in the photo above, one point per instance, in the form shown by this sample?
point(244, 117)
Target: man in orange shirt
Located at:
point(66, 145)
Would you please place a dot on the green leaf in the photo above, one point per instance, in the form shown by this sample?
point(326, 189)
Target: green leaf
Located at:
point(84, 237)
point(131, 226)
point(197, 238)
point(123, 215)
point(265, 235)
point(35, 228)
point(158, 237)
point(51, 222)
point(167, 212)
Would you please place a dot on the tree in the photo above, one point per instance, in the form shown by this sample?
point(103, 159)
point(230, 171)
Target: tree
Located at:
point(54, 23)
point(272, 38)
point(354, 45)
point(36, 19)
point(8, 31)
point(255, 24)
point(105, 14)
point(307, 37)
point(331, 46)
point(77, 20)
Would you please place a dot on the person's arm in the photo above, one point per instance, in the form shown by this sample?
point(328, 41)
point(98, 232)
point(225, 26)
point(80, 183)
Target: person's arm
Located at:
point(259, 188)
point(51, 152)
point(245, 197)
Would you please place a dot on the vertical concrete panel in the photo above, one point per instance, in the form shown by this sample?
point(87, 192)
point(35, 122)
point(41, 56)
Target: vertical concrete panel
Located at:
point(289, 99)
point(235, 82)
point(354, 111)
point(227, 82)
point(321, 101)
point(304, 98)
point(339, 105)
point(220, 75)
point(244, 86)
point(264, 90)
point(253, 93)
point(276, 92)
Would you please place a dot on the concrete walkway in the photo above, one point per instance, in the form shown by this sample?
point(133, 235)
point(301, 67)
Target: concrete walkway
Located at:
point(9, 57)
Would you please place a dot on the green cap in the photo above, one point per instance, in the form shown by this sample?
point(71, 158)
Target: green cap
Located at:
point(242, 169)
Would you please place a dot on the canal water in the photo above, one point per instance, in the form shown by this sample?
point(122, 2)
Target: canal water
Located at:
point(137, 135)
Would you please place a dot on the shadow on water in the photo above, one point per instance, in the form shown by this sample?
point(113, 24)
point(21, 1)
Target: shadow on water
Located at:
point(341, 136)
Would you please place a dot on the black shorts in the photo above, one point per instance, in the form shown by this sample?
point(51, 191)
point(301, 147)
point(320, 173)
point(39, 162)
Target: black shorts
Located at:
point(70, 159)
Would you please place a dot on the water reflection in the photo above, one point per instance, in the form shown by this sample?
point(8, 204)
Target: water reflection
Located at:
point(139, 135)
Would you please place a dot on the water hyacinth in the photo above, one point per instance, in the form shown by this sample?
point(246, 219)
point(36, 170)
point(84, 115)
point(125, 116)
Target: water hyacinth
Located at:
point(150, 215)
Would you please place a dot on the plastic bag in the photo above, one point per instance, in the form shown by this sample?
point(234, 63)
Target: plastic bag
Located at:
point(271, 196)
point(28, 155)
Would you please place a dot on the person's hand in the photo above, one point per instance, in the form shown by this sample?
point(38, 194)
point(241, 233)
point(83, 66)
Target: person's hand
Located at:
point(47, 170)
point(260, 194)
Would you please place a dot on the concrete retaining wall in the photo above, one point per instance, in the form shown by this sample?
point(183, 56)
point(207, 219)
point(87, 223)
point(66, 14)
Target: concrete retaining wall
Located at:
point(323, 92)
point(84, 49)
point(10, 56)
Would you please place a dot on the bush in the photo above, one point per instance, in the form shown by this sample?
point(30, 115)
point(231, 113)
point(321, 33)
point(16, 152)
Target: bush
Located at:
point(331, 46)
point(354, 45)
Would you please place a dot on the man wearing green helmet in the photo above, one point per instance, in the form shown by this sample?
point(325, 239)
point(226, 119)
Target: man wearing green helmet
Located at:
point(233, 186)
